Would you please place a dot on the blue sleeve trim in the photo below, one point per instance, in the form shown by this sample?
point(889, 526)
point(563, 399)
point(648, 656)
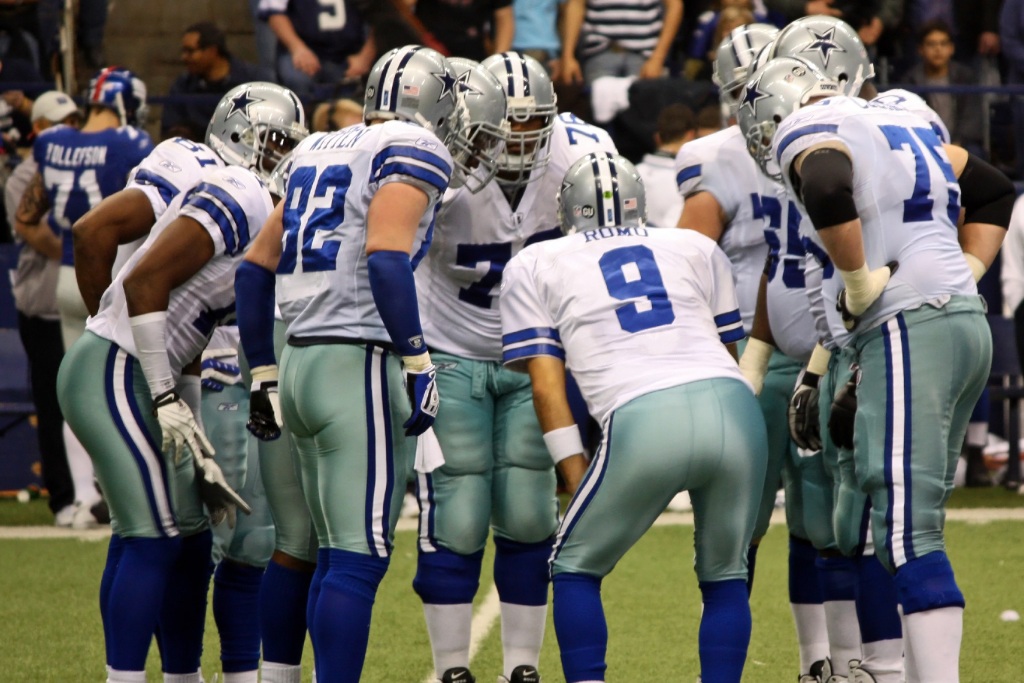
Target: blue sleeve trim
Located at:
point(254, 308)
point(732, 335)
point(418, 172)
point(167, 191)
point(233, 223)
point(531, 351)
point(806, 130)
point(730, 318)
point(688, 173)
point(531, 333)
point(391, 157)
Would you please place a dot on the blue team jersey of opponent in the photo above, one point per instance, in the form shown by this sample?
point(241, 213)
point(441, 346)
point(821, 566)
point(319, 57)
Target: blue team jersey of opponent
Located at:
point(606, 301)
point(323, 285)
point(80, 169)
point(720, 164)
point(907, 197)
point(333, 29)
point(231, 204)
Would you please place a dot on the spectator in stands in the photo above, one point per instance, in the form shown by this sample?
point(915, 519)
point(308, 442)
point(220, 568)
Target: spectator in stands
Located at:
point(210, 70)
point(709, 35)
point(1011, 36)
point(962, 114)
point(335, 115)
point(473, 29)
point(709, 120)
point(871, 18)
point(617, 38)
point(323, 44)
point(34, 283)
point(92, 19)
point(536, 34)
point(676, 126)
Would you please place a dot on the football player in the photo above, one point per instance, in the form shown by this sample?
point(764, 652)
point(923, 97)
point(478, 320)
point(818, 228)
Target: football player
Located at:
point(719, 182)
point(356, 219)
point(497, 473)
point(880, 188)
point(860, 600)
point(152, 324)
point(77, 169)
point(663, 305)
point(105, 237)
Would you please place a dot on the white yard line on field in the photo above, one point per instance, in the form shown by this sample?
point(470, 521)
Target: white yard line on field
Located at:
point(970, 515)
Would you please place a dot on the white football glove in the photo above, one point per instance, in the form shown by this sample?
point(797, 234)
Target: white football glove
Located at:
point(220, 369)
point(179, 427)
point(220, 499)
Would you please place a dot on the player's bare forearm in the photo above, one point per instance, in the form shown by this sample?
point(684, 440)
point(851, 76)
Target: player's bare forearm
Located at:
point(845, 245)
point(982, 240)
point(266, 248)
point(40, 237)
point(703, 213)
point(180, 251)
point(393, 218)
point(119, 219)
point(762, 328)
point(34, 203)
point(572, 471)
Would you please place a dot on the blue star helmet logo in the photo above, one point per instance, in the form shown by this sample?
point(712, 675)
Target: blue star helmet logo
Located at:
point(752, 94)
point(825, 42)
point(464, 87)
point(240, 104)
point(448, 84)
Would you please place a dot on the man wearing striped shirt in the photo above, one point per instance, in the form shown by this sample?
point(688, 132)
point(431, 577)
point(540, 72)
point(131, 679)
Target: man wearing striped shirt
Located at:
point(617, 38)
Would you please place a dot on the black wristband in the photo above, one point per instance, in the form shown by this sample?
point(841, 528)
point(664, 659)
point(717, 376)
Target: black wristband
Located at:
point(166, 398)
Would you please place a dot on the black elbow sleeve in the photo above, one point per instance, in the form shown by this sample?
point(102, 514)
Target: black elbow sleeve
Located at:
point(827, 188)
point(987, 195)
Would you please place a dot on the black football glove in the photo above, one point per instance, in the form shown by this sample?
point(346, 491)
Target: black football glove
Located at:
point(844, 412)
point(803, 413)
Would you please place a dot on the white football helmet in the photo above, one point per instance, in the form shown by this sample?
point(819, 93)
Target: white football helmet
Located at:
point(601, 190)
point(772, 93)
point(481, 140)
point(255, 125)
point(415, 84)
point(735, 58)
point(829, 44)
point(530, 95)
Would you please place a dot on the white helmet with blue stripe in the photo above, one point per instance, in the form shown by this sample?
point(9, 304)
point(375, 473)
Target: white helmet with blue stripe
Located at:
point(734, 60)
point(829, 44)
point(415, 84)
point(255, 125)
point(601, 190)
point(481, 140)
point(531, 102)
point(772, 93)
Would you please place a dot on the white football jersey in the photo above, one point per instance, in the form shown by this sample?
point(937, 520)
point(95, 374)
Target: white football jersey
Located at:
point(906, 194)
point(173, 166)
point(789, 315)
point(630, 310)
point(905, 100)
point(323, 284)
point(721, 165)
point(231, 204)
point(476, 235)
point(664, 204)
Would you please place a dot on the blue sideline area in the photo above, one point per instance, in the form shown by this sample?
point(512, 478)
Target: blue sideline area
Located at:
point(19, 451)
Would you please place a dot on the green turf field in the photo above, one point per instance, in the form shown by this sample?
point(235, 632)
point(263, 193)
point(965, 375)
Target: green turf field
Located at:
point(50, 626)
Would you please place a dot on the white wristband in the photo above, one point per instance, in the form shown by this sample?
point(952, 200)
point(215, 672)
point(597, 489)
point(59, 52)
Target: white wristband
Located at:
point(818, 364)
point(149, 333)
point(264, 373)
point(563, 443)
point(976, 265)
